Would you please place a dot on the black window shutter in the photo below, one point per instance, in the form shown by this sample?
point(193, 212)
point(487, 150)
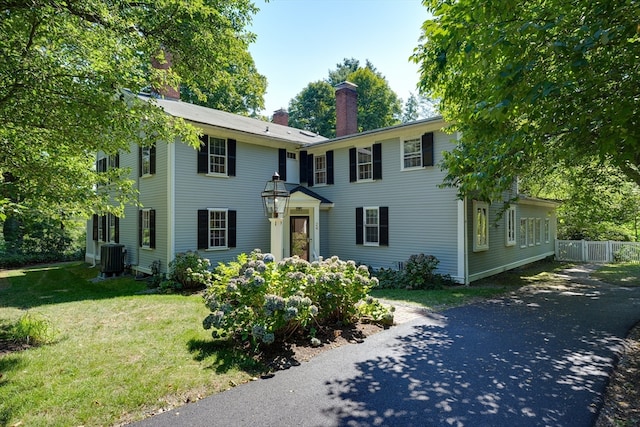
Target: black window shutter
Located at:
point(310, 170)
point(359, 226)
point(103, 218)
point(152, 159)
point(282, 163)
point(117, 229)
point(231, 228)
point(377, 161)
point(330, 167)
point(140, 228)
point(102, 165)
point(139, 160)
point(384, 225)
point(203, 154)
point(94, 226)
point(117, 160)
point(303, 167)
point(152, 228)
point(203, 229)
point(427, 149)
point(353, 166)
point(231, 157)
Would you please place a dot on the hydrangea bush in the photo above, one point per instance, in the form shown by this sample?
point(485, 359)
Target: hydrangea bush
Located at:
point(260, 301)
point(190, 271)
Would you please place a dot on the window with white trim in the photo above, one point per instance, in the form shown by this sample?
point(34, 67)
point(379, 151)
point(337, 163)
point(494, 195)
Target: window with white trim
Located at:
point(371, 226)
point(111, 228)
point(480, 226)
point(510, 226)
point(365, 163)
point(146, 160)
point(531, 230)
point(538, 230)
point(547, 230)
point(218, 229)
point(320, 169)
point(217, 156)
point(145, 226)
point(412, 153)
point(523, 232)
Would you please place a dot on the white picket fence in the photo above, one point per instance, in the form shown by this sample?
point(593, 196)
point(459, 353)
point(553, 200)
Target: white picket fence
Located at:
point(597, 252)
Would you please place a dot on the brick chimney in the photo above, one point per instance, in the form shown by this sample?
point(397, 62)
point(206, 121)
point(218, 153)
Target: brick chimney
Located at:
point(346, 109)
point(281, 117)
point(165, 91)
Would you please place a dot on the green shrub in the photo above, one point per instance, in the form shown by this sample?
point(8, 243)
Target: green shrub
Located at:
point(189, 270)
point(418, 273)
point(32, 329)
point(257, 300)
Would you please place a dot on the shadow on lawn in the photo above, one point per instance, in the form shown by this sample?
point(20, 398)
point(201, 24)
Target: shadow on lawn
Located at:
point(60, 283)
point(225, 356)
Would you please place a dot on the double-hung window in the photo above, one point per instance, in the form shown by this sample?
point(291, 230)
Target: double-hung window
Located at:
point(412, 153)
point(320, 169)
point(145, 227)
point(146, 161)
point(217, 156)
point(547, 230)
point(365, 163)
point(217, 229)
point(480, 226)
point(510, 220)
point(372, 226)
point(538, 230)
point(531, 231)
point(523, 232)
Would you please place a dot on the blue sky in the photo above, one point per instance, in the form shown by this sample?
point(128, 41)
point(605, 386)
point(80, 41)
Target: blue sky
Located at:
point(299, 41)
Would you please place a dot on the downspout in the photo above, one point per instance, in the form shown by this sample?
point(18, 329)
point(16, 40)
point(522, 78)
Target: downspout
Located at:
point(466, 242)
point(171, 201)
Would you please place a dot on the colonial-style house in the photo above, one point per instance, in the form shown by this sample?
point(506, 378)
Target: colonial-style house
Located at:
point(373, 197)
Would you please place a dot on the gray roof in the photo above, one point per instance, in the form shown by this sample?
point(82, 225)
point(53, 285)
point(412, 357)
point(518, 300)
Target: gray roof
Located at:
point(294, 188)
point(221, 119)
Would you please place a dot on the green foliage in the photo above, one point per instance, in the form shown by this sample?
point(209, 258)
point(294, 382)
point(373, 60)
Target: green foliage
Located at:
point(254, 299)
point(32, 329)
point(537, 84)
point(313, 109)
point(418, 273)
point(67, 76)
point(190, 270)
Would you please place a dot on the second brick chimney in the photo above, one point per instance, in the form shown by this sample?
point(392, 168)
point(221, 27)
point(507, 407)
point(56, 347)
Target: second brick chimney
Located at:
point(281, 117)
point(346, 109)
point(166, 91)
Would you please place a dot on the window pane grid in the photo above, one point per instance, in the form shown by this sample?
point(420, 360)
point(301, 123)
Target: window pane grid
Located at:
point(217, 229)
point(365, 163)
point(371, 229)
point(412, 153)
point(146, 229)
point(217, 155)
point(146, 160)
point(320, 163)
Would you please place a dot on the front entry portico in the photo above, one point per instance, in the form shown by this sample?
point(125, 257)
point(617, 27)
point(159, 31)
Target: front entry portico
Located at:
point(302, 224)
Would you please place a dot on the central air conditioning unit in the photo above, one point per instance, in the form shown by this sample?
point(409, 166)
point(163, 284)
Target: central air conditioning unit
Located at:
point(112, 259)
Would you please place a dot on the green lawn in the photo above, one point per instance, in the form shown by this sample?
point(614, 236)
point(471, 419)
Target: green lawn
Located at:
point(118, 353)
point(541, 272)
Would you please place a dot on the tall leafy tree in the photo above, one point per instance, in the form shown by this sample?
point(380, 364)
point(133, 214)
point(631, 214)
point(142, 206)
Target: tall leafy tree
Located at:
point(67, 76)
point(378, 105)
point(541, 83)
point(418, 106)
point(314, 109)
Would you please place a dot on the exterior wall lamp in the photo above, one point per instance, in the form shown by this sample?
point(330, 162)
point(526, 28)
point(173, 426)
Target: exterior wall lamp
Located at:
point(275, 198)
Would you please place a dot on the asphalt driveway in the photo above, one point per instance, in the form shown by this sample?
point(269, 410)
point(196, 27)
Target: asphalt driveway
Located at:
point(541, 357)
